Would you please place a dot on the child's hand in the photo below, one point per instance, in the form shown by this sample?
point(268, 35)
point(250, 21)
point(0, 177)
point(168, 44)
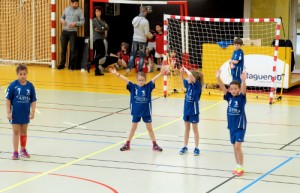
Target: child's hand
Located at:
point(112, 70)
point(9, 116)
point(31, 116)
point(182, 69)
point(164, 68)
point(244, 76)
point(218, 74)
point(232, 66)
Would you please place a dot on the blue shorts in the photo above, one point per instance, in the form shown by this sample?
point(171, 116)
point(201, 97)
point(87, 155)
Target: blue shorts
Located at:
point(237, 135)
point(146, 119)
point(191, 118)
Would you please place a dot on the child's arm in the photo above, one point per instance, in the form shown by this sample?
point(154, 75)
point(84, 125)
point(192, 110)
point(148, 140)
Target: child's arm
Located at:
point(190, 75)
point(159, 74)
point(181, 73)
point(243, 86)
point(33, 105)
point(233, 61)
point(114, 71)
point(221, 84)
point(8, 109)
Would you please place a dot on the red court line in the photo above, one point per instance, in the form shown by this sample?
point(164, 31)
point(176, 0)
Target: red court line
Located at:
point(62, 175)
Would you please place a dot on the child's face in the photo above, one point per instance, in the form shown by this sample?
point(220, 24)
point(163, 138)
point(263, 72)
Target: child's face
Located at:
point(123, 48)
point(22, 75)
point(141, 80)
point(234, 90)
point(237, 46)
point(158, 28)
point(98, 13)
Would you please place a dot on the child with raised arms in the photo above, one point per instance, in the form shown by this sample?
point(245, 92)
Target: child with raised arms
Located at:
point(236, 117)
point(140, 105)
point(193, 84)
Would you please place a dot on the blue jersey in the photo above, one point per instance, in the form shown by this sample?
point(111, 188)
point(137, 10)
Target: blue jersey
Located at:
point(21, 97)
point(236, 115)
point(239, 67)
point(140, 99)
point(192, 97)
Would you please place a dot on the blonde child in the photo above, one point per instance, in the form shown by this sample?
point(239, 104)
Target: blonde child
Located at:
point(193, 84)
point(140, 105)
point(20, 105)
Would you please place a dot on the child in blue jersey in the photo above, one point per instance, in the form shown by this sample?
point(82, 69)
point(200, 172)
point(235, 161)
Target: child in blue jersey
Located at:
point(140, 105)
point(20, 105)
point(193, 85)
point(237, 60)
point(236, 117)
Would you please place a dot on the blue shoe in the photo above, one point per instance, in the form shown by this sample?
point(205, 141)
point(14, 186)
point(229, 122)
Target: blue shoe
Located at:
point(184, 150)
point(196, 151)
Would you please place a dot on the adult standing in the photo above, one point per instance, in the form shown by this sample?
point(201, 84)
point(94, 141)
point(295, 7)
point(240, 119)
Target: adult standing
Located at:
point(100, 29)
point(140, 35)
point(71, 19)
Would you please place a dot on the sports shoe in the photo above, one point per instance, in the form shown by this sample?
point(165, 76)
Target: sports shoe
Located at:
point(24, 153)
point(234, 170)
point(157, 148)
point(15, 155)
point(60, 67)
point(125, 147)
point(184, 150)
point(98, 73)
point(196, 151)
point(239, 172)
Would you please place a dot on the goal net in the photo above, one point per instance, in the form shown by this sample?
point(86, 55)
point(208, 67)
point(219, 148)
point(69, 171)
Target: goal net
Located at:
point(25, 31)
point(206, 44)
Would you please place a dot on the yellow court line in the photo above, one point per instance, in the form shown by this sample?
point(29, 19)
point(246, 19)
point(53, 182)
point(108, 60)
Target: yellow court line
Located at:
point(95, 153)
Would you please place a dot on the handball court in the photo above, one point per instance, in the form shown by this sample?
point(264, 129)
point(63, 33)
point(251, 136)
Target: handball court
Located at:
point(81, 121)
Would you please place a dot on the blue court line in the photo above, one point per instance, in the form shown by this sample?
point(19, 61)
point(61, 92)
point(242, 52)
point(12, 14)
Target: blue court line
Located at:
point(266, 174)
point(143, 145)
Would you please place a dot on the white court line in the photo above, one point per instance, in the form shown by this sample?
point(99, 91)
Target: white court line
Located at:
point(83, 127)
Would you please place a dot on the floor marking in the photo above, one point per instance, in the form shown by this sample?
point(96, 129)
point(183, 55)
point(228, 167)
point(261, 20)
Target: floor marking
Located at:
point(83, 127)
point(95, 153)
point(66, 176)
point(269, 172)
point(289, 143)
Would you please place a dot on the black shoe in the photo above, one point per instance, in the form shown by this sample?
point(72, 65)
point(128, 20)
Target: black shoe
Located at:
point(60, 67)
point(88, 67)
point(98, 73)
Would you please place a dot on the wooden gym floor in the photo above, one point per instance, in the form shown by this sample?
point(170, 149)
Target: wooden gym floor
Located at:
point(82, 120)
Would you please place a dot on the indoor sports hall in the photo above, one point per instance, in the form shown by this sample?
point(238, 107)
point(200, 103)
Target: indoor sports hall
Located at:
point(81, 120)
